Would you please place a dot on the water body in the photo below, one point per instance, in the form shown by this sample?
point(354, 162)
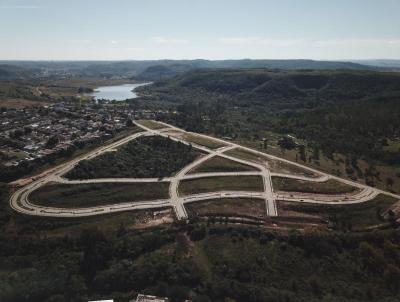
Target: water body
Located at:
point(116, 92)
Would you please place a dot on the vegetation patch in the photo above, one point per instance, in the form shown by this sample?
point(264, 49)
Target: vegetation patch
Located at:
point(221, 164)
point(275, 166)
point(228, 206)
point(203, 141)
point(153, 156)
point(330, 186)
point(88, 195)
point(344, 217)
point(221, 183)
point(154, 125)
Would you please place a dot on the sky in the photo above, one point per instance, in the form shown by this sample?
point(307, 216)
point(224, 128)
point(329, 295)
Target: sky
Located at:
point(199, 29)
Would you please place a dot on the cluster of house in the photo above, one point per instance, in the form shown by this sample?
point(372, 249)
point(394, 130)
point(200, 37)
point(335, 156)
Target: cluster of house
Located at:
point(34, 133)
point(143, 298)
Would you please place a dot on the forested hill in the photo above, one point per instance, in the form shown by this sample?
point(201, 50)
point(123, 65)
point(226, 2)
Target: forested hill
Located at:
point(352, 112)
point(155, 69)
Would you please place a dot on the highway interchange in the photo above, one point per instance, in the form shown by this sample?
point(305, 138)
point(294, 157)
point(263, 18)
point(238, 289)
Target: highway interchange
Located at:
point(20, 202)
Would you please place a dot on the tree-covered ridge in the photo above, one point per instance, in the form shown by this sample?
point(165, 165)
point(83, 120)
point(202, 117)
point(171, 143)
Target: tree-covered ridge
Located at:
point(350, 112)
point(153, 156)
point(202, 263)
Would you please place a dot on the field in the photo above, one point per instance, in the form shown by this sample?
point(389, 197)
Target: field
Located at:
point(228, 206)
point(15, 103)
point(294, 185)
point(203, 141)
point(352, 216)
point(153, 156)
point(88, 195)
point(154, 125)
point(220, 164)
point(336, 165)
point(275, 166)
point(221, 183)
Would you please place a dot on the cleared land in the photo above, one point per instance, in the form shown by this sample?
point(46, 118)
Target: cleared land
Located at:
point(59, 227)
point(210, 184)
point(154, 125)
point(228, 206)
point(87, 195)
point(220, 164)
point(204, 141)
point(197, 139)
point(275, 166)
point(153, 156)
point(343, 216)
point(294, 185)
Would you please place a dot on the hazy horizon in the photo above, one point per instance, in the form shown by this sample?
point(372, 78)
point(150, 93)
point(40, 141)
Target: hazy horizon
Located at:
point(212, 30)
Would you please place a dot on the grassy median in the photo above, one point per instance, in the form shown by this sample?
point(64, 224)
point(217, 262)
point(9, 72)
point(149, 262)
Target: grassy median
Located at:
point(221, 183)
point(275, 166)
point(220, 164)
point(227, 206)
point(294, 185)
point(203, 141)
point(154, 125)
point(349, 216)
point(88, 195)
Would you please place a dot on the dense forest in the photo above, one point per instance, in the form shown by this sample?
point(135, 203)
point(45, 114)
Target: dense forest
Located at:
point(349, 112)
point(199, 262)
point(143, 157)
point(159, 69)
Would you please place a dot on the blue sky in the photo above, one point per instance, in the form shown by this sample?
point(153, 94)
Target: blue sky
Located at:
point(209, 29)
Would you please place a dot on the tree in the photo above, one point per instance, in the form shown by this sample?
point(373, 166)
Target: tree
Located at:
point(302, 152)
point(371, 258)
point(287, 142)
point(265, 143)
point(316, 153)
point(129, 123)
point(16, 133)
point(392, 277)
point(389, 182)
point(52, 142)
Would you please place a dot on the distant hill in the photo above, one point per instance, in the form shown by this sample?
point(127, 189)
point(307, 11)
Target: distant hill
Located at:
point(264, 84)
point(347, 111)
point(390, 64)
point(10, 72)
point(155, 69)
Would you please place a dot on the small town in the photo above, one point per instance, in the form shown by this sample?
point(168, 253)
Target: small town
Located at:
point(36, 133)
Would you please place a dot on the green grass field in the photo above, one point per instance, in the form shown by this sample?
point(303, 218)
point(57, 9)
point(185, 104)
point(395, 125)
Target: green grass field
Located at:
point(357, 215)
point(203, 141)
point(87, 195)
point(293, 185)
point(275, 166)
point(210, 184)
point(154, 125)
point(228, 206)
point(220, 164)
point(393, 146)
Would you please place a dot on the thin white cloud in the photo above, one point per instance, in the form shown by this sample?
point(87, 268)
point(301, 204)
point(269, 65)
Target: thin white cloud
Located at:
point(256, 40)
point(135, 49)
point(81, 41)
point(355, 42)
point(168, 40)
point(19, 6)
point(114, 42)
point(260, 41)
